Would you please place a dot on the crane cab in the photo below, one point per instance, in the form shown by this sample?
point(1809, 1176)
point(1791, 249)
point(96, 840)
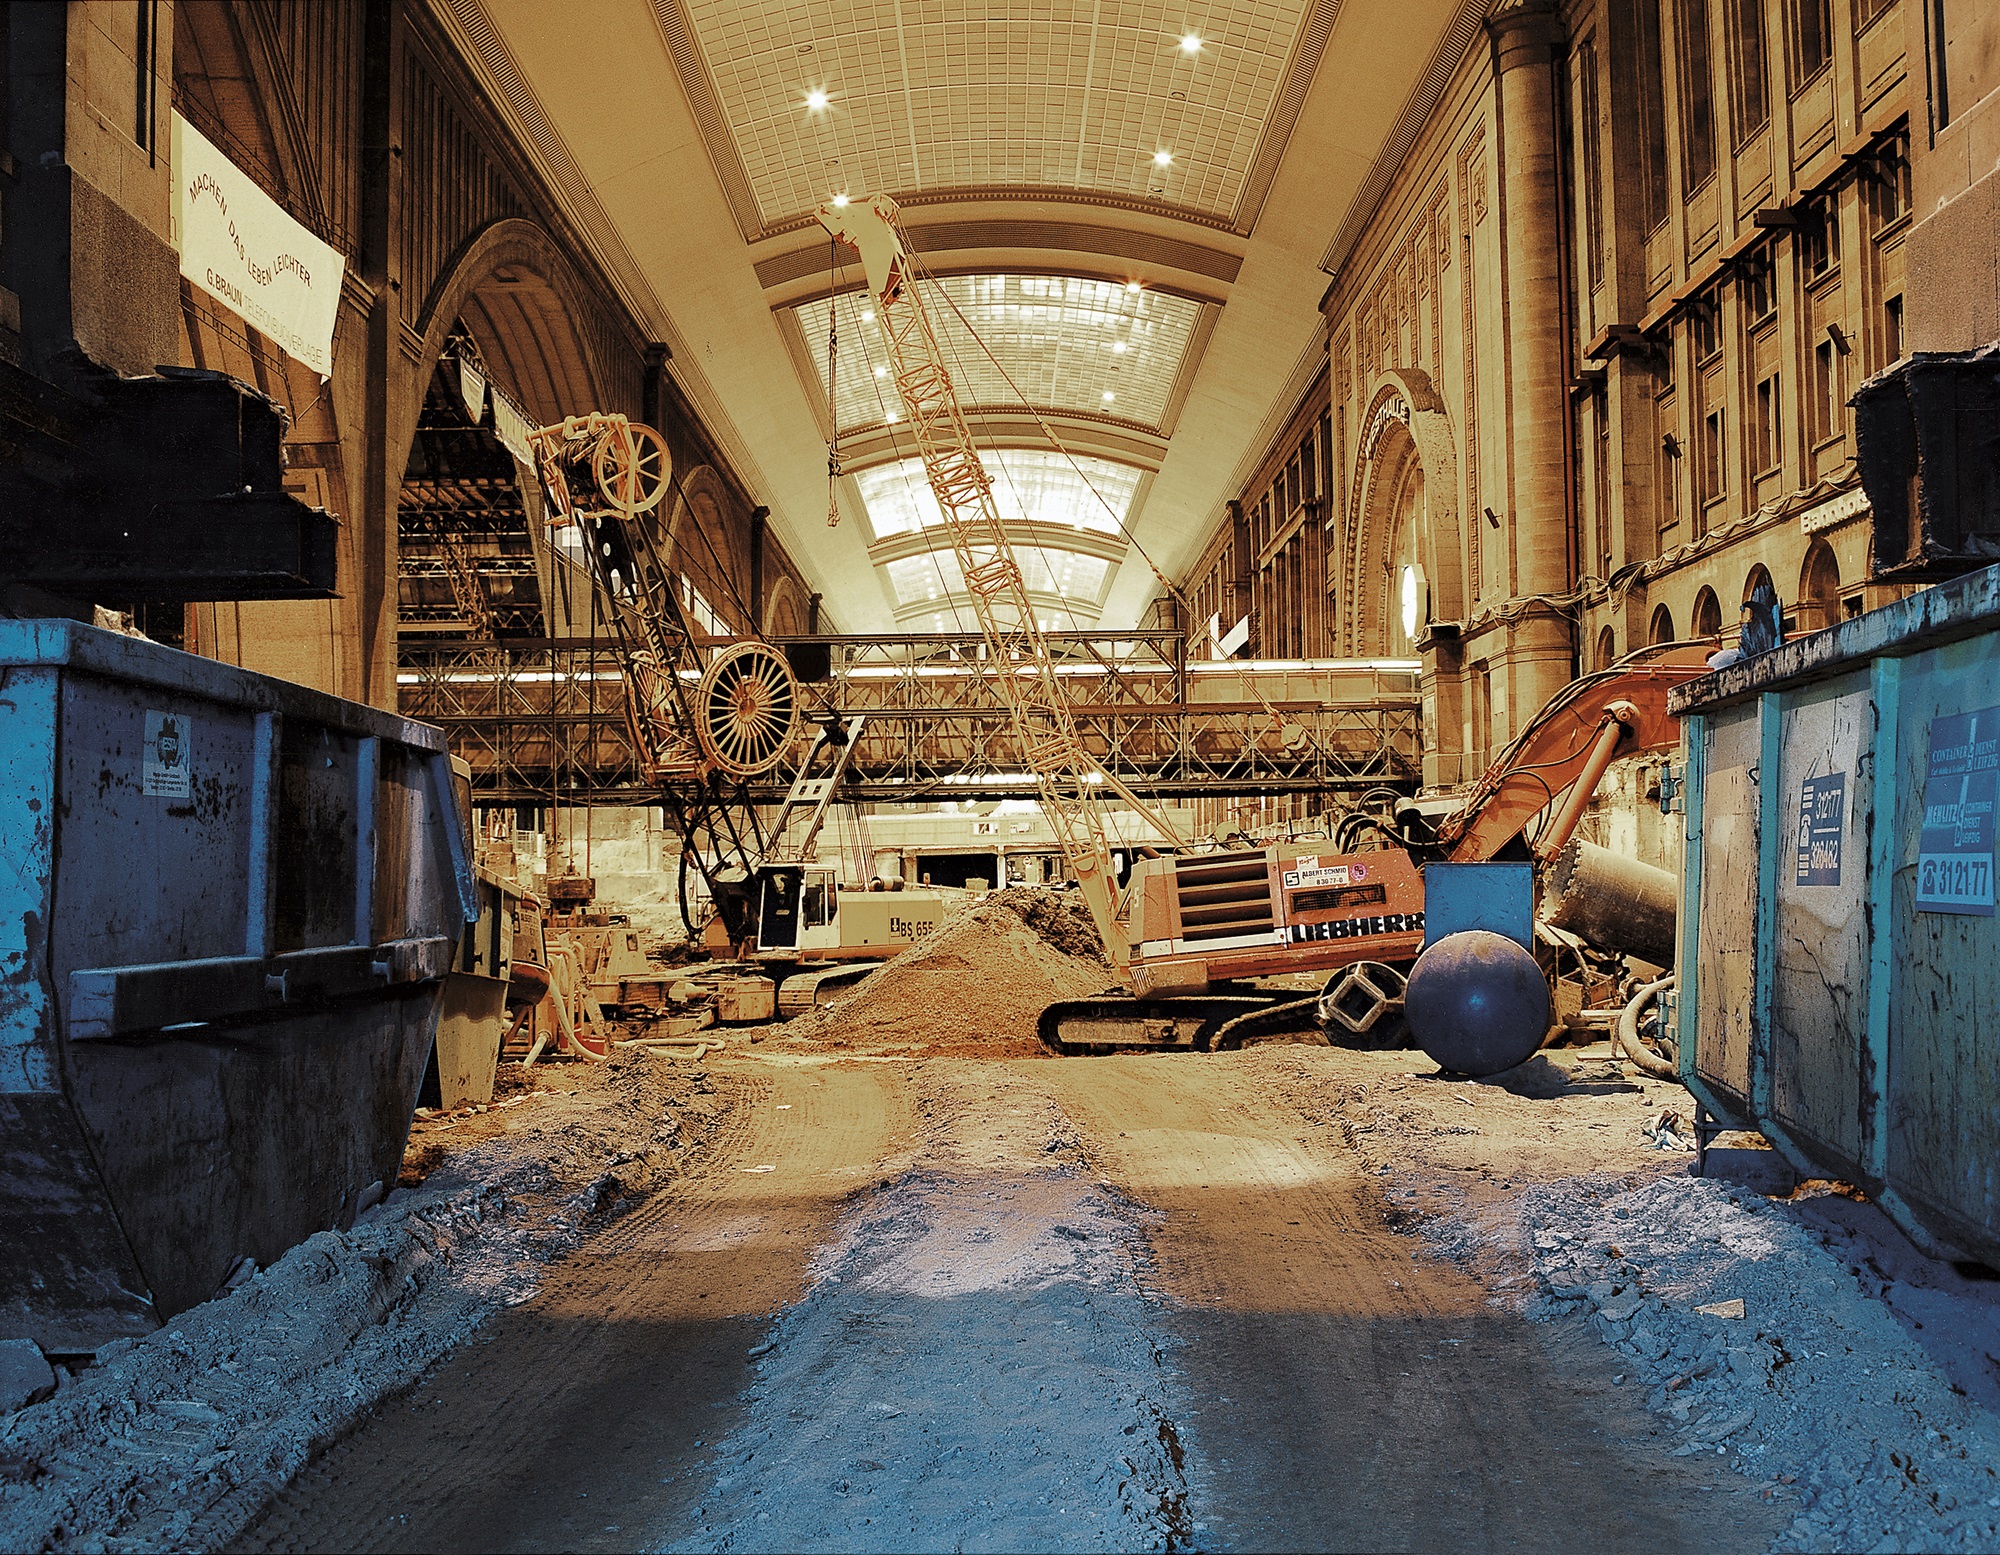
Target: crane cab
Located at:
point(803, 914)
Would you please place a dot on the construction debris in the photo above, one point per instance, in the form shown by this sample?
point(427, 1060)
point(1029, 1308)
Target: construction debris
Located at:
point(978, 983)
point(176, 1439)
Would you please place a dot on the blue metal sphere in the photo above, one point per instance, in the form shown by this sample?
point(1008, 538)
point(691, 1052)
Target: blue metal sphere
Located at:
point(1477, 1003)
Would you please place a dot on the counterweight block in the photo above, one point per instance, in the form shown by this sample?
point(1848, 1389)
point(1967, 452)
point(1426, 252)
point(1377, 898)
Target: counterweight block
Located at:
point(1477, 1003)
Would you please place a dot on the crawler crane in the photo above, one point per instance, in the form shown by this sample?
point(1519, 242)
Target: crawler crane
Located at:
point(1195, 932)
point(702, 730)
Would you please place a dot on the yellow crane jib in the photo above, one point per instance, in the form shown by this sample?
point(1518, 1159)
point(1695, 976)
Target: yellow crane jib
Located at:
point(1070, 785)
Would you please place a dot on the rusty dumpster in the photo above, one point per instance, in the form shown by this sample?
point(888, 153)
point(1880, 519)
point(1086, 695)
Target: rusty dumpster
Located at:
point(229, 906)
point(1839, 955)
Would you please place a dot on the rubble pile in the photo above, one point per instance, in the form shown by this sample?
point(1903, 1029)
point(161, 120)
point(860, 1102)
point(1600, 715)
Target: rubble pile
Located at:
point(978, 982)
point(1771, 1340)
point(177, 1438)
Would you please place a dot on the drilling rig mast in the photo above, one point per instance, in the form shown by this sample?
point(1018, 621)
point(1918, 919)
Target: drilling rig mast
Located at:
point(695, 729)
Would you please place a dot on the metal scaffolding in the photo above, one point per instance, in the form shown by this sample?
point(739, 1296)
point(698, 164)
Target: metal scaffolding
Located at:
point(544, 721)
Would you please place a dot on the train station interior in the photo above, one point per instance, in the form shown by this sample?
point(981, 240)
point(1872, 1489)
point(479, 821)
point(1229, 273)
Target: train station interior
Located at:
point(999, 775)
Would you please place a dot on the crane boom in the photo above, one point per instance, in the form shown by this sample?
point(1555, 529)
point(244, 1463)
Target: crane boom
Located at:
point(1067, 781)
point(602, 473)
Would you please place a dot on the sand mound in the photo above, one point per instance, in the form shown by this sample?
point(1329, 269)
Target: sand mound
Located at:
point(980, 980)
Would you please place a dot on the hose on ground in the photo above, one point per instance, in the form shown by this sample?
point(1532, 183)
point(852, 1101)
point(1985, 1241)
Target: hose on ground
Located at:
point(1628, 1032)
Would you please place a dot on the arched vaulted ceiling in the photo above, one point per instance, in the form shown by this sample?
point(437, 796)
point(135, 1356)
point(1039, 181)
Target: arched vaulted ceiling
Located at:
point(1123, 202)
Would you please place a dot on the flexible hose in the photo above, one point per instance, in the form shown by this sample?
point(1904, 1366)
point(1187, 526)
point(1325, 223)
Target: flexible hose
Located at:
point(1628, 1033)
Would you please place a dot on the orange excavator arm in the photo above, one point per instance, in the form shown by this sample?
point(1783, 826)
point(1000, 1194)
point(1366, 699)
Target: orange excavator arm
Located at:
point(1563, 753)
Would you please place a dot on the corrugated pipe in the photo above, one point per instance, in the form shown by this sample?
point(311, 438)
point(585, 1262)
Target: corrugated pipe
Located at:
point(1628, 1033)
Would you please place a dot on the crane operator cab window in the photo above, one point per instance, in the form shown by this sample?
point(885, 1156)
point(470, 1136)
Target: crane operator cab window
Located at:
point(778, 910)
point(817, 903)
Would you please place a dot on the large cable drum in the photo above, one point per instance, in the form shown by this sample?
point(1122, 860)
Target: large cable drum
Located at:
point(747, 710)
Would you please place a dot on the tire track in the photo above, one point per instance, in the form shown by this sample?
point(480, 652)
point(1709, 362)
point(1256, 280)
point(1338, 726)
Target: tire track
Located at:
point(1350, 1392)
point(581, 1413)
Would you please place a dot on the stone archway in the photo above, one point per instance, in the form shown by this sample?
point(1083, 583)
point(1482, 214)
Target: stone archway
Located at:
point(1389, 538)
point(1406, 422)
point(1403, 558)
point(1819, 588)
point(696, 542)
point(534, 340)
point(515, 293)
point(1707, 618)
point(784, 609)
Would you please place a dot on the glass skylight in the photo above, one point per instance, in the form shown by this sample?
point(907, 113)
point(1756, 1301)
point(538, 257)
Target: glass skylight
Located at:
point(1056, 337)
point(1033, 485)
point(918, 580)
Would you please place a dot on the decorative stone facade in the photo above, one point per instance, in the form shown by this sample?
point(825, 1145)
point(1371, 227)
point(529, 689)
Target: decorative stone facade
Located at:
point(364, 123)
point(1589, 351)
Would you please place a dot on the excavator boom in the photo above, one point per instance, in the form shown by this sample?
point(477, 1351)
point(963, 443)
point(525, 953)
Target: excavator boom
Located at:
point(1564, 752)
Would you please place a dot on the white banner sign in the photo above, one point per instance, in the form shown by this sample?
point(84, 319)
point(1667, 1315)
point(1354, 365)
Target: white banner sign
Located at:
point(238, 245)
point(472, 388)
point(512, 428)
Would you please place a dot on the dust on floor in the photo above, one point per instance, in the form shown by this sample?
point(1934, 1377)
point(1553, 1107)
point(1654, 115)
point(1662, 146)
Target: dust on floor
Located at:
point(1834, 1365)
point(177, 1438)
point(975, 1366)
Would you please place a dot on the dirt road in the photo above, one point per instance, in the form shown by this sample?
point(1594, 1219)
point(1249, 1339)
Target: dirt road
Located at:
point(588, 1414)
point(1345, 1393)
point(959, 1303)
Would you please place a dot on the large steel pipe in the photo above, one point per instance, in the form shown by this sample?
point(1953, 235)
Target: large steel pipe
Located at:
point(1614, 902)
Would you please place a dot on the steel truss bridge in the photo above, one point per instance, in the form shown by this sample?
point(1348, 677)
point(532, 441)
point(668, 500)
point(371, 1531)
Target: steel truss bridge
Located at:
point(543, 720)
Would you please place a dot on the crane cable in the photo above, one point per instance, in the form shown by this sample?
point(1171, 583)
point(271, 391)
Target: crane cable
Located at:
point(832, 379)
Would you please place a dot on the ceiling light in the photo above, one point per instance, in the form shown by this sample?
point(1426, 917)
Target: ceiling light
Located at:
point(815, 100)
point(868, 315)
point(881, 372)
point(840, 199)
point(1190, 43)
point(893, 417)
point(1118, 346)
point(1131, 286)
point(1163, 159)
point(1109, 396)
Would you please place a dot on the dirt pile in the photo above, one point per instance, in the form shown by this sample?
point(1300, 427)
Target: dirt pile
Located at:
point(175, 1439)
point(976, 983)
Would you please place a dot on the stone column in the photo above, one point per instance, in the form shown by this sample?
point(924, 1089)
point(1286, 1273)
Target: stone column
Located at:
point(388, 372)
point(1525, 36)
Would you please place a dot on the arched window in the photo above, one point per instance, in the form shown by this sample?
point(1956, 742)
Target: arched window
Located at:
point(1707, 621)
point(1662, 628)
point(1819, 588)
point(1607, 648)
point(1762, 631)
point(1409, 605)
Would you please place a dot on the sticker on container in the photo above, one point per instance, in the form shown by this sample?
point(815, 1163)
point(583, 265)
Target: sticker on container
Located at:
point(1822, 823)
point(1955, 850)
point(169, 753)
point(1332, 874)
